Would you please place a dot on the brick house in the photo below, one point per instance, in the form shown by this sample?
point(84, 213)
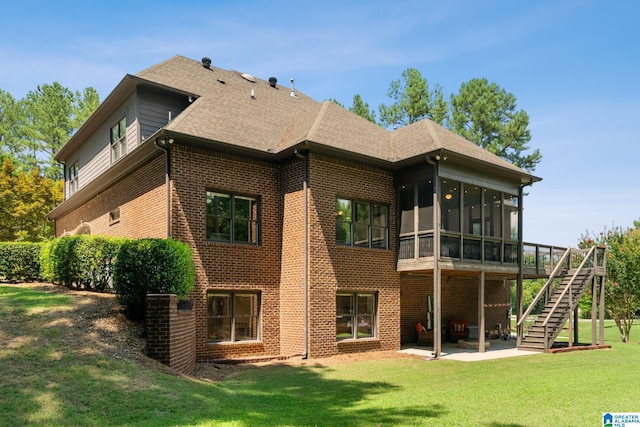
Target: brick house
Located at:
point(312, 229)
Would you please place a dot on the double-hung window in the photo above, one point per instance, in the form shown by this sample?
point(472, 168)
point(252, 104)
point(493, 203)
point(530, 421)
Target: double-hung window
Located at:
point(73, 178)
point(233, 316)
point(355, 315)
point(232, 218)
point(363, 224)
point(119, 139)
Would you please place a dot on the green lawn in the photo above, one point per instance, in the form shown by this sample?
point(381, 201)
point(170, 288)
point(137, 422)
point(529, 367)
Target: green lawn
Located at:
point(44, 382)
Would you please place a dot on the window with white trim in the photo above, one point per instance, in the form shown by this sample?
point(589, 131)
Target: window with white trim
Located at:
point(73, 178)
point(118, 139)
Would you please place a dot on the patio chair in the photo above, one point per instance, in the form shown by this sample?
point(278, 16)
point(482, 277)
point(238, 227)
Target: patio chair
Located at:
point(458, 330)
point(424, 337)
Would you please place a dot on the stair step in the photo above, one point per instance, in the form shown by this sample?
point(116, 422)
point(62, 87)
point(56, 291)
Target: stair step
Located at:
point(530, 348)
point(535, 338)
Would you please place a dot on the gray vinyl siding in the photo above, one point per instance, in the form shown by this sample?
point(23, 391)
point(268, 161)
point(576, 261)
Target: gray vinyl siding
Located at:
point(156, 108)
point(146, 112)
point(94, 156)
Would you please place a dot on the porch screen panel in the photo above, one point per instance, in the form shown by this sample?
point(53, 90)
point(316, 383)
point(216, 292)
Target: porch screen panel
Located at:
point(492, 216)
point(472, 210)
point(406, 203)
point(511, 231)
point(450, 205)
point(425, 206)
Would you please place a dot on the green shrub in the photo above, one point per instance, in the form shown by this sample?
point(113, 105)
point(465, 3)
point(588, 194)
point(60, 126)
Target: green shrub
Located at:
point(94, 258)
point(83, 262)
point(20, 261)
point(64, 261)
point(46, 261)
point(151, 266)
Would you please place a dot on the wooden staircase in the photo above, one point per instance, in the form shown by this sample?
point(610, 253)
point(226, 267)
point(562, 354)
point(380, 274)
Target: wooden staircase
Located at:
point(556, 312)
point(575, 271)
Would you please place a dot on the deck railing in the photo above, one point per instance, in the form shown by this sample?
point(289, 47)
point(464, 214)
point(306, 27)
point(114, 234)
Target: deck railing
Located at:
point(560, 263)
point(537, 259)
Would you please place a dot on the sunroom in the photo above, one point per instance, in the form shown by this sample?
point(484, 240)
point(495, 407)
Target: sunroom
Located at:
point(459, 218)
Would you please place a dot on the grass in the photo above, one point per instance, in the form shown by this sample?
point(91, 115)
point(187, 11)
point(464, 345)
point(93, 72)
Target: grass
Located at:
point(45, 383)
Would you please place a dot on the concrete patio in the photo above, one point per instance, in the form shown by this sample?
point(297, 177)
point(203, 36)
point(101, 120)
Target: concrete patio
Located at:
point(450, 351)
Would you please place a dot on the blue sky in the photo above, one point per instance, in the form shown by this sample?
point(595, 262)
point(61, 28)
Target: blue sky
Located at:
point(574, 67)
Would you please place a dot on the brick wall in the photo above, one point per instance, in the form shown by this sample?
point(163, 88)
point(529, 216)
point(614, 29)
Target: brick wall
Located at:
point(293, 256)
point(275, 267)
point(170, 333)
point(459, 301)
point(334, 267)
point(226, 266)
point(141, 198)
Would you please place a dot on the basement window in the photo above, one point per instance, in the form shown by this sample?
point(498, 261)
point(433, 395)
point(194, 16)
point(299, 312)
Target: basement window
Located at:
point(355, 315)
point(233, 316)
point(114, 216)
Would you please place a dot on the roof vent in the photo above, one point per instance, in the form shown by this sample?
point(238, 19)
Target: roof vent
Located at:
point(206, 62)
point(248, 77)
point(293, 90)
point(273, 81)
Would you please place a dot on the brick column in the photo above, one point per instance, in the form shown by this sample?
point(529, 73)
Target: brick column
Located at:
point(170, 333)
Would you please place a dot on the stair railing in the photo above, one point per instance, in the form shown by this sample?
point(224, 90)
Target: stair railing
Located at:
point(545, 290)
point(568, 289)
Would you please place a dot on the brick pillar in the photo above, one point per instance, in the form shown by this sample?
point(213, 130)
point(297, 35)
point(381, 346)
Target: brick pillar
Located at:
point(158, 325)
point(170, 333)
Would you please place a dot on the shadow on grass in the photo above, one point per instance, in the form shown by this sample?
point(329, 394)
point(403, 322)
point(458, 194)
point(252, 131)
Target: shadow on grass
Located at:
point(57, 370)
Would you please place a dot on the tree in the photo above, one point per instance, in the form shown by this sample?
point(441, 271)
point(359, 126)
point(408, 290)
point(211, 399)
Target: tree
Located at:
point(487, 115)
point(48, 117)
point(25, 198)
point(361, 108)
point(86, 103)
point(622, 284)
point(8, 118)
point(413, 101)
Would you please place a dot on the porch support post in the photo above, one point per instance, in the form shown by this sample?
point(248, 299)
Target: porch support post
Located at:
point(519, 305)
point(437, 273)
point(601, 310)
point(594, 310)
point(437, 310)
point(481, 321)
point(576, 325)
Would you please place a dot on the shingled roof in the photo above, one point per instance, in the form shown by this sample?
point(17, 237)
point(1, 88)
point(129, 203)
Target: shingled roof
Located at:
point(242, 111)
point(250, 113)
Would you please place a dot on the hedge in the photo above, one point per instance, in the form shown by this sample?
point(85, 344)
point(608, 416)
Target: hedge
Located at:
point(82, 262)
point(20, 261)
point(131, 268)
point(151, 266)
